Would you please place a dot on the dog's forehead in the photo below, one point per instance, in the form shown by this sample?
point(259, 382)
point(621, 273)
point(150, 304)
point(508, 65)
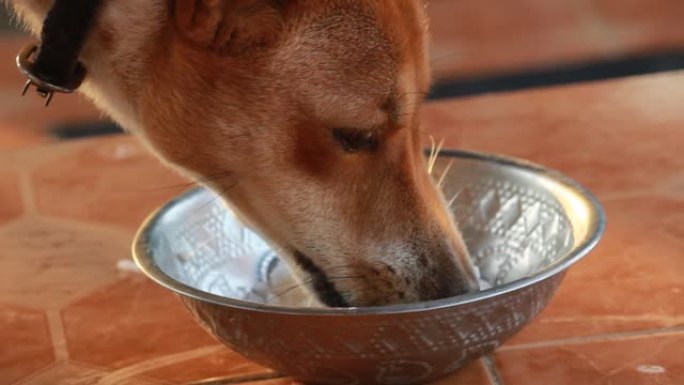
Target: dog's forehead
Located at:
point(349, 60)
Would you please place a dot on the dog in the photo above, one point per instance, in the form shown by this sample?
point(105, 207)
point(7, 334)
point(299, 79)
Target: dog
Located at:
point(304, 116)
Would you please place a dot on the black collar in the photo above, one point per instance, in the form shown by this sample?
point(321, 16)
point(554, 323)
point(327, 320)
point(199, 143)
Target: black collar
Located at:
point(52, 65)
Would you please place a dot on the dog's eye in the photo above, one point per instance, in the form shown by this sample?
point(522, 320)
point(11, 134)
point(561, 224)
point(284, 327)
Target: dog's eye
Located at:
point(355, 140)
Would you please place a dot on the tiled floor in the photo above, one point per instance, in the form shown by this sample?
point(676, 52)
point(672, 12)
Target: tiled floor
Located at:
point(68, 212)
point(72, 313)
point(469, 37)
point(491, 36)
point(639, 360)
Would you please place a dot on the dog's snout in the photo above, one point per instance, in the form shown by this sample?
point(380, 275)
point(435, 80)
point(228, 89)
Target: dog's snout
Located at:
point(449, 285)
point(448, 277)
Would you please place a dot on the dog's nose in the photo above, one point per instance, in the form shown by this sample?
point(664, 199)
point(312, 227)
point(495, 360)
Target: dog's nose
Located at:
point(448, 285)
point(438, 286)
point(448, 276)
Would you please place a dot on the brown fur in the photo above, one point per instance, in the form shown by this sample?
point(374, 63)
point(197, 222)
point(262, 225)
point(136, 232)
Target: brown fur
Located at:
point(244, 95)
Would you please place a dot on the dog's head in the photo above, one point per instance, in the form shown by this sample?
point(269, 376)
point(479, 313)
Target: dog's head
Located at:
point(304, 116)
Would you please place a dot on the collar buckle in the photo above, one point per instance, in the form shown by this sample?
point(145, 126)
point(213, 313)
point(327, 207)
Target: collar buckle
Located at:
point(45, 86)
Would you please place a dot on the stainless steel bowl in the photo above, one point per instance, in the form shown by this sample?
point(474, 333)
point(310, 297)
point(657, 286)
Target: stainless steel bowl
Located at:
point(524, 225)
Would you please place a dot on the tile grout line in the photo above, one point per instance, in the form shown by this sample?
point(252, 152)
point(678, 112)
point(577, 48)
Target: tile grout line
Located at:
point(104, 369)
point(596, 338)
point(28, 379)
point(59, 343)
point(139, 368)
point(239, 380)
point(492, 371)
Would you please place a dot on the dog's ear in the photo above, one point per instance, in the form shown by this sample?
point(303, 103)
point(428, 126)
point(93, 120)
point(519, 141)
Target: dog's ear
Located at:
point(229, 26)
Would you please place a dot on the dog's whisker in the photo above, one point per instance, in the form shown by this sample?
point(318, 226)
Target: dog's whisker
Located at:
point(296, 286)
point(453, 199)
point(170, 187)
point(216, 178)
point(302, 284)
point(437, 59)
point(432, 150)
point(362, 267)
point(344, 277)
point(332, 278)
point(219, 195)
point(198, 182)
point(433, 158)
point(440, 182)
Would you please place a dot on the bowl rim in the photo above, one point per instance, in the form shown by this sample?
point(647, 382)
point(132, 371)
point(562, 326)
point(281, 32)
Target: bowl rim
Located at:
point(595, 231)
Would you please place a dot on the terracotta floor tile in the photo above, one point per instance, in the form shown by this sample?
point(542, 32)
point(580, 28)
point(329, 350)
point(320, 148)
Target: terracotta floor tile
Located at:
point(123, 184)
point(28, 114)
point(587, 131)
point(644, 25)
point(129, 323)
point(224, 364)
point(640, 361)
point(15, 137)
point(11, 205)
point(277, 381)
point(45, 263)
point(39, 155)
point(25, 343)
point(472, 374)
point(653, 37)
point(71, 374)
point(632, 281)
point(634, 12)
point(10, 45)
point(476, 37)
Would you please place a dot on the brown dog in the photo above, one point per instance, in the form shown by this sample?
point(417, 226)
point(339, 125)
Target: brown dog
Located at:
point(303, 115)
